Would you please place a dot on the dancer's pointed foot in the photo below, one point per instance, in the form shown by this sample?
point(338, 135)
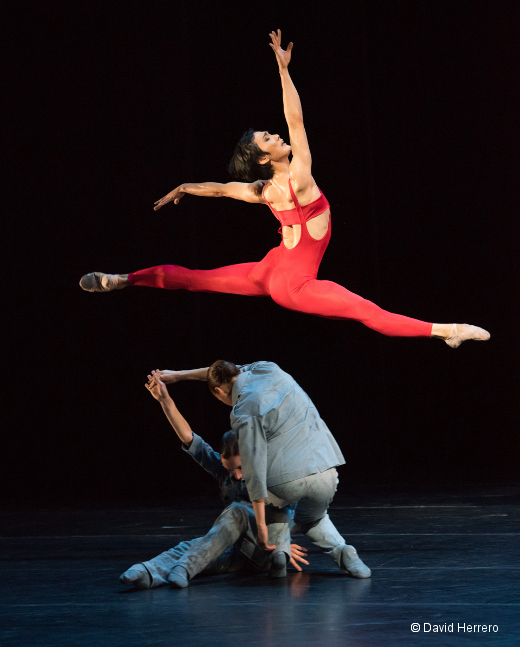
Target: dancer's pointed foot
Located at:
point(352, 564)
point(178, 578)
point(101, 282)
point(462, 332)
point(137, 576)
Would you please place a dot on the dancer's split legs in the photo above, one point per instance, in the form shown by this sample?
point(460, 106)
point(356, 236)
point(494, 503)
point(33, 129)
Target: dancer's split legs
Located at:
point(320, 298)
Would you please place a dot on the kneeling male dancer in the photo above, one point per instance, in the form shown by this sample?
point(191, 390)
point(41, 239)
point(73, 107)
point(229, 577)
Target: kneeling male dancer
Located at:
point(230, 545)
point(288, 455)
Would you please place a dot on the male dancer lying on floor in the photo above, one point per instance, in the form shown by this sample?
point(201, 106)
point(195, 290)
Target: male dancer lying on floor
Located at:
point(230, 545)
point(288, 455)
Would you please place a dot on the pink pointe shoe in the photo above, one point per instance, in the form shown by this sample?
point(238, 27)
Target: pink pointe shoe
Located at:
point(462, 332)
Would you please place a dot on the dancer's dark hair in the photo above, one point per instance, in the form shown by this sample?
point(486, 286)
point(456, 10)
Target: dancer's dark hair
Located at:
point(221, 372)
point(229, 445)
point(244, 164)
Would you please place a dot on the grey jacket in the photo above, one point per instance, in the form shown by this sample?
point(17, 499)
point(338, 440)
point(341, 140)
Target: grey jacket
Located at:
point(280, 433)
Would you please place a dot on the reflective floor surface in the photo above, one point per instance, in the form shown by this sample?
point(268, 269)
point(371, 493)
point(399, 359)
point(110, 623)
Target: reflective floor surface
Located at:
point(445, 560)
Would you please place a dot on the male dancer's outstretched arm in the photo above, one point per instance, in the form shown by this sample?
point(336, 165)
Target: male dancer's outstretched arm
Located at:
point(170, 377)
point(159, 391)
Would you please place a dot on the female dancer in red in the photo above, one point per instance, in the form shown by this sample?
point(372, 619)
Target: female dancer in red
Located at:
point(288, 273)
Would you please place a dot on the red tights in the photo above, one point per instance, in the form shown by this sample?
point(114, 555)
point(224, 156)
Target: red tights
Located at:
point(288, 276)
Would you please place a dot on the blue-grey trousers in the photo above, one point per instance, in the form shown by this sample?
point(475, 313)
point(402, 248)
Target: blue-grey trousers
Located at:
point(229, 546)
point(312, 495)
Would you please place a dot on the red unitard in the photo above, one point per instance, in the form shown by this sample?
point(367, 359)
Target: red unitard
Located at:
point(288, 276)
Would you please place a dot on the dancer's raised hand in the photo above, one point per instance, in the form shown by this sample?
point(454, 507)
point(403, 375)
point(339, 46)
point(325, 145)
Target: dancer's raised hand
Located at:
point(157, 387)
point(282, 56)
point(174, 196)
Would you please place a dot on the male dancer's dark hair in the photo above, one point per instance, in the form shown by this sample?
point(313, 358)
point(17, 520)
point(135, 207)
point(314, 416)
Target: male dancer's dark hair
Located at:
point(221, 372)
point(229, 445)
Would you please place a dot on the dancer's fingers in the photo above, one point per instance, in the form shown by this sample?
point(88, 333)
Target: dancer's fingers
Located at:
point(298, 548)
point(295, 564)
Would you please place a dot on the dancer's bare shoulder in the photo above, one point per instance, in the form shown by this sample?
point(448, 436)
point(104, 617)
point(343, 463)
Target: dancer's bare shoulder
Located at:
point(305, 188)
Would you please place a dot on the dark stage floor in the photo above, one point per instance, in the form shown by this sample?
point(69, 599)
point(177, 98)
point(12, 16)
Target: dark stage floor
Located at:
point(437, 557)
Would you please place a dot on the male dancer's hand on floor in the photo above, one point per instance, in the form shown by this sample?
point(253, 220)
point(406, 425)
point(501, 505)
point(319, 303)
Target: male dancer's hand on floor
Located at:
point(297, 555)
point(263, 536)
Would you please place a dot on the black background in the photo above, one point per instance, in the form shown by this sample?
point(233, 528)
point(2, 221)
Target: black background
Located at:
point(411, 112)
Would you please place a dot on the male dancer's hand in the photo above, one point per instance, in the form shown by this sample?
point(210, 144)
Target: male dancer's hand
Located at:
point(157, 387)
point(297, 555)
point(263, 537)
point(174, 195)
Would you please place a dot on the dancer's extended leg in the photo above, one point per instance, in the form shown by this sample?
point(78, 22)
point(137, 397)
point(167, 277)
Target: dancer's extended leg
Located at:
point(232, 279)
point(330, 300)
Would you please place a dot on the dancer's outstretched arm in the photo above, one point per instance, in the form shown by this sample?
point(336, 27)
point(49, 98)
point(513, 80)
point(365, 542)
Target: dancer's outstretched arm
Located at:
point(159, 391)
point(301, 162)
point(238, 190)
point(170, 377)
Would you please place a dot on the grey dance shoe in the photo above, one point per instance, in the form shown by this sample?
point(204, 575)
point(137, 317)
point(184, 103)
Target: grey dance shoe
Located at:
point(137, 576)
point(462, 332)
point(99, 282)
point(178, 578)
point(352, 564)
